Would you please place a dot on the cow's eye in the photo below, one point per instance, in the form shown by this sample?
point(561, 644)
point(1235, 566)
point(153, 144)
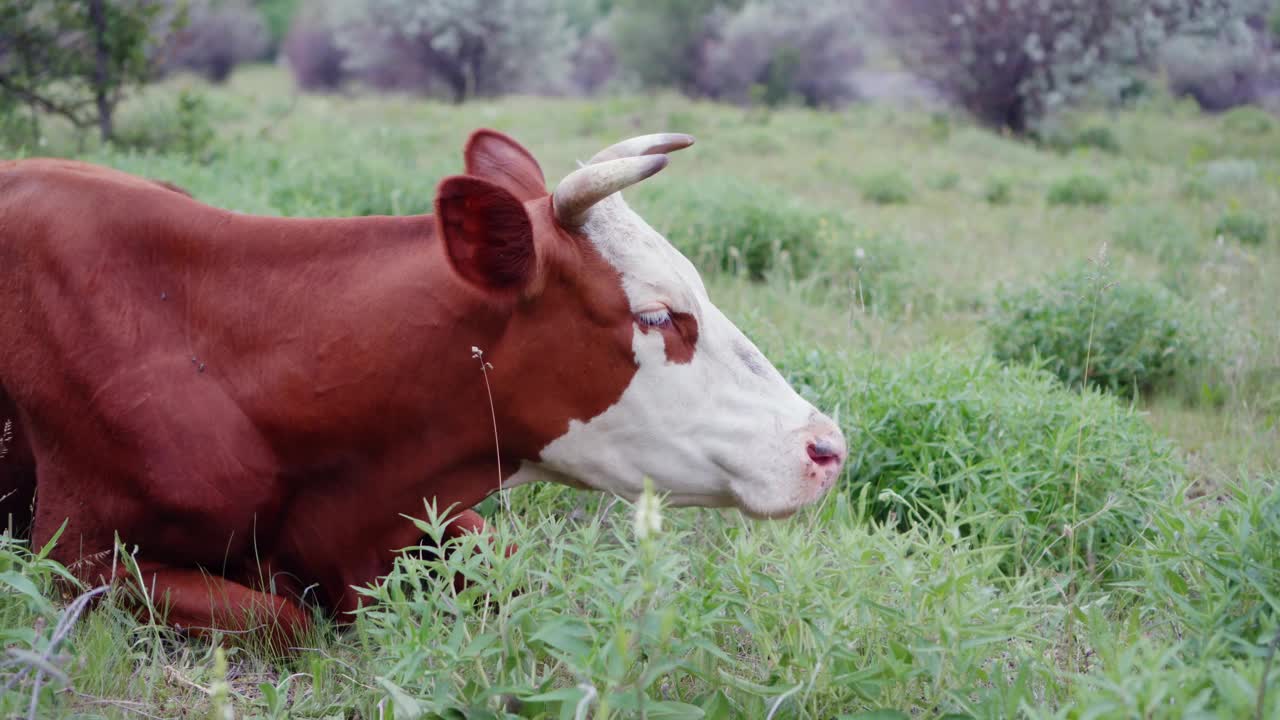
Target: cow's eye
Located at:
point(658, 317)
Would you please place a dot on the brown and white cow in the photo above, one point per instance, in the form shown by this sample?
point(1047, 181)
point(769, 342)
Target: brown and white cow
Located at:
point(246, 398)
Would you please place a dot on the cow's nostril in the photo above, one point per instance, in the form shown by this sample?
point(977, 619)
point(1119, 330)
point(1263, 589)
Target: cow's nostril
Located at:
point(823, 451)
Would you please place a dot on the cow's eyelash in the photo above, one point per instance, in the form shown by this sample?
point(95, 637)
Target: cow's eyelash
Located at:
point(654, 318)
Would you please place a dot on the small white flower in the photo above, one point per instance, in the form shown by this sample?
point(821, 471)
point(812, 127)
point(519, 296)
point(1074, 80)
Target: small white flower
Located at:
point(648, 517)
point(859, 253)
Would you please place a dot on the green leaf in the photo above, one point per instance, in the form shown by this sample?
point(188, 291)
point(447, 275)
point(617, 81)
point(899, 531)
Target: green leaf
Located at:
point(406, 708)
point(882, 714)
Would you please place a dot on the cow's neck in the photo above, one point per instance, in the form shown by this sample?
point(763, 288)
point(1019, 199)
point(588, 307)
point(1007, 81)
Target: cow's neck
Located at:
point(362, 338)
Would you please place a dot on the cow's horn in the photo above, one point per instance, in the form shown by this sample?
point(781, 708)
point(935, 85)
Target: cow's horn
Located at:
point(656, 144)
point(588, 185)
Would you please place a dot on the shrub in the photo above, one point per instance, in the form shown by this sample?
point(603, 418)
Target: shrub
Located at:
point(725, 225)
point(775, 52)
point(278, 15)
point(1157, 232)
point(887, 188)
point(1009, 63)
point(217, 36)
point(941, 435)
point(594, 63)
point(1244, 227)
point(311, 49)
point(1230, 172)
point(184, 127)
point(1249, 120)
point(998, 191)
point(464, 48)
point(949, 180)
point(660, 42)
point(1133, 336)
point(1219, 73)
point(1079, 190)
point(1098, 137)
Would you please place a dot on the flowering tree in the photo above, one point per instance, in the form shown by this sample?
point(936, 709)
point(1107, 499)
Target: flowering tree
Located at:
point(1010, 62)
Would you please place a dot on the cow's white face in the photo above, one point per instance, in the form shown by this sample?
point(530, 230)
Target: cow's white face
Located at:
point(706, 415)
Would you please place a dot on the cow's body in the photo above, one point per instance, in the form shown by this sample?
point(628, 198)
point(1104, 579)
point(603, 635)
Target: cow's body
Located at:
point(251, 399)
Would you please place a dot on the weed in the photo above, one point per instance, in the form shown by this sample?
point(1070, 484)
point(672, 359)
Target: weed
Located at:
point(887, 188)
point(1244, 227)
point(1079, 190)
point(998, 191)
point(731, 226)
point(1143, 336)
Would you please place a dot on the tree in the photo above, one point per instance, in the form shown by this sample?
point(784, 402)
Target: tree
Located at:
point(217, 36)
point(471, 47)
point(773, 50)
point(74, 58)
point(1010, 62)
point(662, 42)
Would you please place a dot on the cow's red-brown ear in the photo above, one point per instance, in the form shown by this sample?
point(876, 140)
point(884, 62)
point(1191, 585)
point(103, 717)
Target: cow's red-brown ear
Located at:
point(504, 162)
point(486, 232)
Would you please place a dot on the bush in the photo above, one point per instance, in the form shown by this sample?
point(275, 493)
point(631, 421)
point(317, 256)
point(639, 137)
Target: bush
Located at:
point(311, 48)
point(998, 191)
point(1079, 190)
point(949, 180)
point(940, 435)
point(1134, 337)
point(1231, 172)
point(185, 128)
point(774, 52)
point(278, 15)
point(1249, 120)
point(594, 63)
point(458, 49)
point(1010, 63)
point(1219, 73)
point(1098, 137)
point(887, 188)
point(660, 42)
point(1244, 227)
point(218, 35)
point(1155, 231)
point(726, 225)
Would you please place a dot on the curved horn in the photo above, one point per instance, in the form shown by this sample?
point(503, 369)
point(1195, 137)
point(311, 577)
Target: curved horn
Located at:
point(656, 144)
point(588, 185)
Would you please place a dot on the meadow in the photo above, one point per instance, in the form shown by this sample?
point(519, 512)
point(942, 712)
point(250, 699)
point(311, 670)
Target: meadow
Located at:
point(1089, 529)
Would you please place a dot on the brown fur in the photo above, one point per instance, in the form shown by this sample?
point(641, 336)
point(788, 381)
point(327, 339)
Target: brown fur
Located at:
point(251, 398)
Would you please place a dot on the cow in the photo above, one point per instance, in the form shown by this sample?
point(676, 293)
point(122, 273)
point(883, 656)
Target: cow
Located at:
point(240, 398)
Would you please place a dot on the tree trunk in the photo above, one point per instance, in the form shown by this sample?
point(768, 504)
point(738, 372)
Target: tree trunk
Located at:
point(102, 67)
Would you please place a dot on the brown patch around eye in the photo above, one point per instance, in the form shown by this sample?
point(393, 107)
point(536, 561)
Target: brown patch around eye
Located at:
point(681, 338)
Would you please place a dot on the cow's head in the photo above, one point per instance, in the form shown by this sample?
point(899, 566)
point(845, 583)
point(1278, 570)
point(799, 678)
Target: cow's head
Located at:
point(615, 365)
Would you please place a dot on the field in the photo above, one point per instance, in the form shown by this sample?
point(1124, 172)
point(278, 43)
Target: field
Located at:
point(1002, 545)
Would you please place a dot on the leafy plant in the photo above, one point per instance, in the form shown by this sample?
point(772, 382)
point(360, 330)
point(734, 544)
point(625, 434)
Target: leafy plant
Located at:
point(1244, 227)
point(75, 58)
point(1010, 63)
point(727, 225)
point(941, 435)
point(1132, 336)
point(998, 191)
point(887, 188)
point(1079, 190)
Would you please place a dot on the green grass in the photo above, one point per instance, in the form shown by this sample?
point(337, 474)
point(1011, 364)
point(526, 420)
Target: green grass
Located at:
point(1001, 545)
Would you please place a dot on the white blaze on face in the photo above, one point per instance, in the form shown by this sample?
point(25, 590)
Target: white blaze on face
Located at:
point(723, 429)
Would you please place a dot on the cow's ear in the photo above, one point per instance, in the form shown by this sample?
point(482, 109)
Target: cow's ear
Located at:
point(487, 233)
point(505, 163)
